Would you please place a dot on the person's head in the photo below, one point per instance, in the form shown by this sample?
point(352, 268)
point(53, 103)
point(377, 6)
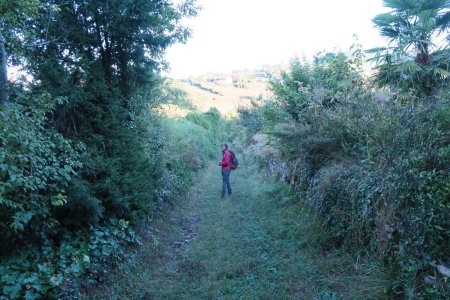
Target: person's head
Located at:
point(224, 146)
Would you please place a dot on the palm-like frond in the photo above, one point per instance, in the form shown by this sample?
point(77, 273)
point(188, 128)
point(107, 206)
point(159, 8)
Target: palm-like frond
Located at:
point(434, 4)
point(443, 22)
point(441, 73)
point(408, 67)
point(389, 24)
point(411, 27)
point(377, 49)
point(441, 55)
point(388, 19)
point(441, 59)
point(400, 4)
point(389, 32)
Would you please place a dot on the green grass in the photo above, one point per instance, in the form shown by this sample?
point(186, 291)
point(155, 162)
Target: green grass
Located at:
point(256, 244)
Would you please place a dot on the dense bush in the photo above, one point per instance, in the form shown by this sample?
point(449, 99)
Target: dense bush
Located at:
point(52, 271)
point(82, 151)
point(45, 199)
point(189, 144)
point(376, 169)
point(36, 167)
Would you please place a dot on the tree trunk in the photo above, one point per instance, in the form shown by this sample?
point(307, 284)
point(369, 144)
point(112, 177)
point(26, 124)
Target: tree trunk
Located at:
point(3, 72)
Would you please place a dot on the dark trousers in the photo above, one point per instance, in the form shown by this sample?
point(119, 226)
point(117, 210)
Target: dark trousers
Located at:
point(226, 182)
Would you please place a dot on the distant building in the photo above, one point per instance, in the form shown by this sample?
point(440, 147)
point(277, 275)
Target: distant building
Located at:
point(228, 80)
point(277, 73)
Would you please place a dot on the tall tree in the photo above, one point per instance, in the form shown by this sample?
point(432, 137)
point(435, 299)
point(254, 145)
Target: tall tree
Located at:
point(13, 16)
point(3, 72)
point(415, 60)
point(104, 57)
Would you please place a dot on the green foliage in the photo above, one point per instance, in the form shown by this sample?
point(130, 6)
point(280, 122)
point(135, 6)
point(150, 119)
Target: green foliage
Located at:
point(211, 121)
point(84, 149)
point(251, 119)
point(53, 271)
point(175, 96)
point(189, 144)
point(108, 72)
point(375, 170)
point(36, 167)
point(106, 67)
point(332, 79)
point(103, 57)
point(413, 62)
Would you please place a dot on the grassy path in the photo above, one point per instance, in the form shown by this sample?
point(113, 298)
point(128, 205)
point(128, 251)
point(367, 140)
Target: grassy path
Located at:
point(242, 247)
point(232, 255)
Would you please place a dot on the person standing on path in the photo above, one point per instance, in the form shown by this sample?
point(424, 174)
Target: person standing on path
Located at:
point(225, 163)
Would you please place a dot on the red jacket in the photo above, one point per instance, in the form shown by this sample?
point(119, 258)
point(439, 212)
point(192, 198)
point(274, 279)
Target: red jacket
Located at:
point(226, 160)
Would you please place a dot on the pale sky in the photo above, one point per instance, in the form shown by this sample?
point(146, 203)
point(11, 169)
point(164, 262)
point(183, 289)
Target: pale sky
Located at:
point(237, 34)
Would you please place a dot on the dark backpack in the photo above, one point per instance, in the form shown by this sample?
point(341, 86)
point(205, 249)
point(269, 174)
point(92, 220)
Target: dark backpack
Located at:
point(234, 161)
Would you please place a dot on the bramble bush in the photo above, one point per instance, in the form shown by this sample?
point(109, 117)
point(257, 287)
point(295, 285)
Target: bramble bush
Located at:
point(376, 169)
point(52, 271)
point(36, 167)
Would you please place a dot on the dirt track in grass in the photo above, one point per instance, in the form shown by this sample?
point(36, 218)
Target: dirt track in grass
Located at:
point(247, 246)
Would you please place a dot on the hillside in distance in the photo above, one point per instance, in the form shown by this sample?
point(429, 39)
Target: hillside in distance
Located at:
point(226, 92)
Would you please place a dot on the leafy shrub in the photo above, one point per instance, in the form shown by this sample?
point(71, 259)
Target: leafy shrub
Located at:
point(55, 271)
point(375, 169)
point(67, 167)
point(387, 186)
point(251, 119)
point(36, 167)
point(332, 79)
point(62, 259)
point(211, 120)
point(82, 208)
point(189, 144)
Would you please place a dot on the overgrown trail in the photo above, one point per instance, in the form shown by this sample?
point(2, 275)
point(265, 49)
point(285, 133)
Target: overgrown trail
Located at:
point(241, 247)
point(232, 254)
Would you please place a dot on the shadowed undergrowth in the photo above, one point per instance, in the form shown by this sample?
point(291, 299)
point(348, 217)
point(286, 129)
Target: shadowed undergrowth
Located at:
point(255, 244)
